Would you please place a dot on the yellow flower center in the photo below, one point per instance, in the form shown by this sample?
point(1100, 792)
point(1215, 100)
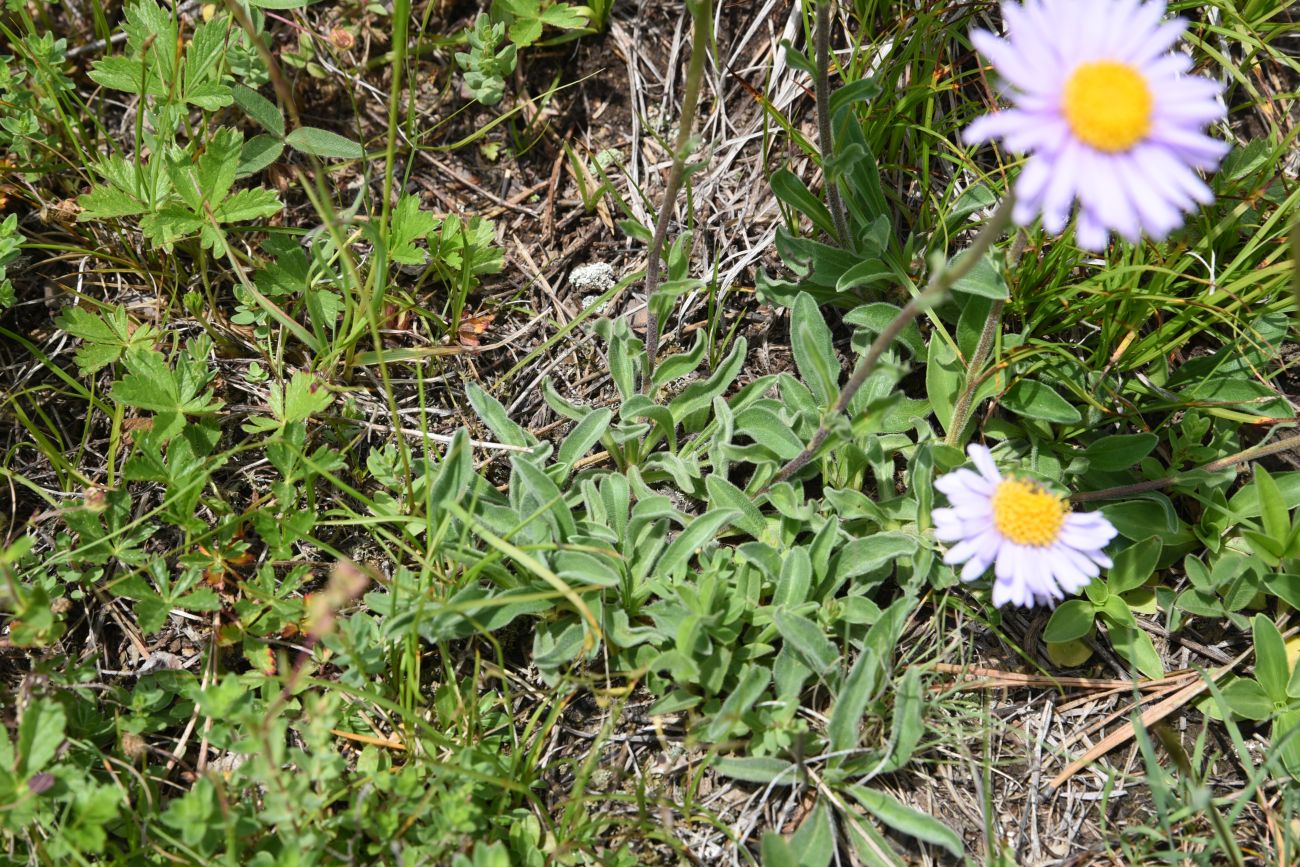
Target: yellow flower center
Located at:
point(1108, 105)
point(1027, 514)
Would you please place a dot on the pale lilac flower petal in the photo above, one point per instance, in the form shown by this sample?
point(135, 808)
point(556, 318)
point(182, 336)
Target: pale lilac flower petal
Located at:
point(1139, 180)
point(1059, 556)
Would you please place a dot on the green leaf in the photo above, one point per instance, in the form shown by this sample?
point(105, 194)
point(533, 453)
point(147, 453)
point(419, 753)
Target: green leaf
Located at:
point(303, 397)
point(1135, 645)
point(251, 204)
point(866, 274)
point(1033, 399)
point(1119, 451)
point(1134, 565)
point(583, 437)
point(565, 17)
point(907, 820)
point(408, 225)
point(323, 143)
point(791, 191)
point(943, 378)
point(851, 702)
point(814, 353)
point(808, 640)
point(525, 32)
point(751, 687)
point(1247, 699)
point(764, 770)
point(815, 839)
point(258, 153)
point(725, 495)
point(776, 852)
point(495, 417)
point(280, 4)
point(266, 113)
point(40, 732)
point(1071, 620)
point(1271, 668)
point(984, 279)
point(1286, 738)
point(1273, 511)
point(699, 533)
point(105, 336)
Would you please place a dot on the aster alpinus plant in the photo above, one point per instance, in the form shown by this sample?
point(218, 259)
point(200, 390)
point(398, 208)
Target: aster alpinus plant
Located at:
point(1111, 121)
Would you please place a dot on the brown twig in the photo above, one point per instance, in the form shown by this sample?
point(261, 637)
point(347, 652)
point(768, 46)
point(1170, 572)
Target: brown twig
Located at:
point(941, 281)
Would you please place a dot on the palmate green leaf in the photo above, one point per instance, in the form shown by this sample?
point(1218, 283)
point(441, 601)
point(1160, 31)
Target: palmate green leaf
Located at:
point(525, 31)
point(128, 75)
point(409, 224)
point(249, 204)
point(207, 179)
point(151, 384)
point(302, 397)
point(203, 57)
point(105, 337)
point(566, 17)
point(169, 225)
point(150, 58)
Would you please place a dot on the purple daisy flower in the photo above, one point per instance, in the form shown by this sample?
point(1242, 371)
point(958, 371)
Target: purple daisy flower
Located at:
point(1040, 550)
point(1107, 114)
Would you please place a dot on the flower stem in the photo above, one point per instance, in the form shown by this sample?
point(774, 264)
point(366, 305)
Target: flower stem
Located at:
point(702, 16)
point(825, 139)
point(1251, 454)
point(941, 280)
point(965, 402)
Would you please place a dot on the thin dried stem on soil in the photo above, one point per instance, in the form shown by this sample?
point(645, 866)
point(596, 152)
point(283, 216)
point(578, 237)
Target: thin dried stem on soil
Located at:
point(701, 14)
point(825, 138)
point(941, 281)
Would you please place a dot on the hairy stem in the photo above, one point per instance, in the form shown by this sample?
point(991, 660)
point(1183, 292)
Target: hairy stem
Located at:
point(822, 91)
point(940, 282)
point(702, 17)
point(965, 402)
point(1250, 454)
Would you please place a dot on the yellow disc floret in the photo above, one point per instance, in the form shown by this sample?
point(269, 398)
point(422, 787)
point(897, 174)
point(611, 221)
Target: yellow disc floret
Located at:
point(1108, 105)
point(1027, 514)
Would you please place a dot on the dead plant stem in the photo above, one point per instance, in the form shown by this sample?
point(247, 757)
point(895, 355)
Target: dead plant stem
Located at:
point(941, 280)
point(702, 17)
point(825, 137)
